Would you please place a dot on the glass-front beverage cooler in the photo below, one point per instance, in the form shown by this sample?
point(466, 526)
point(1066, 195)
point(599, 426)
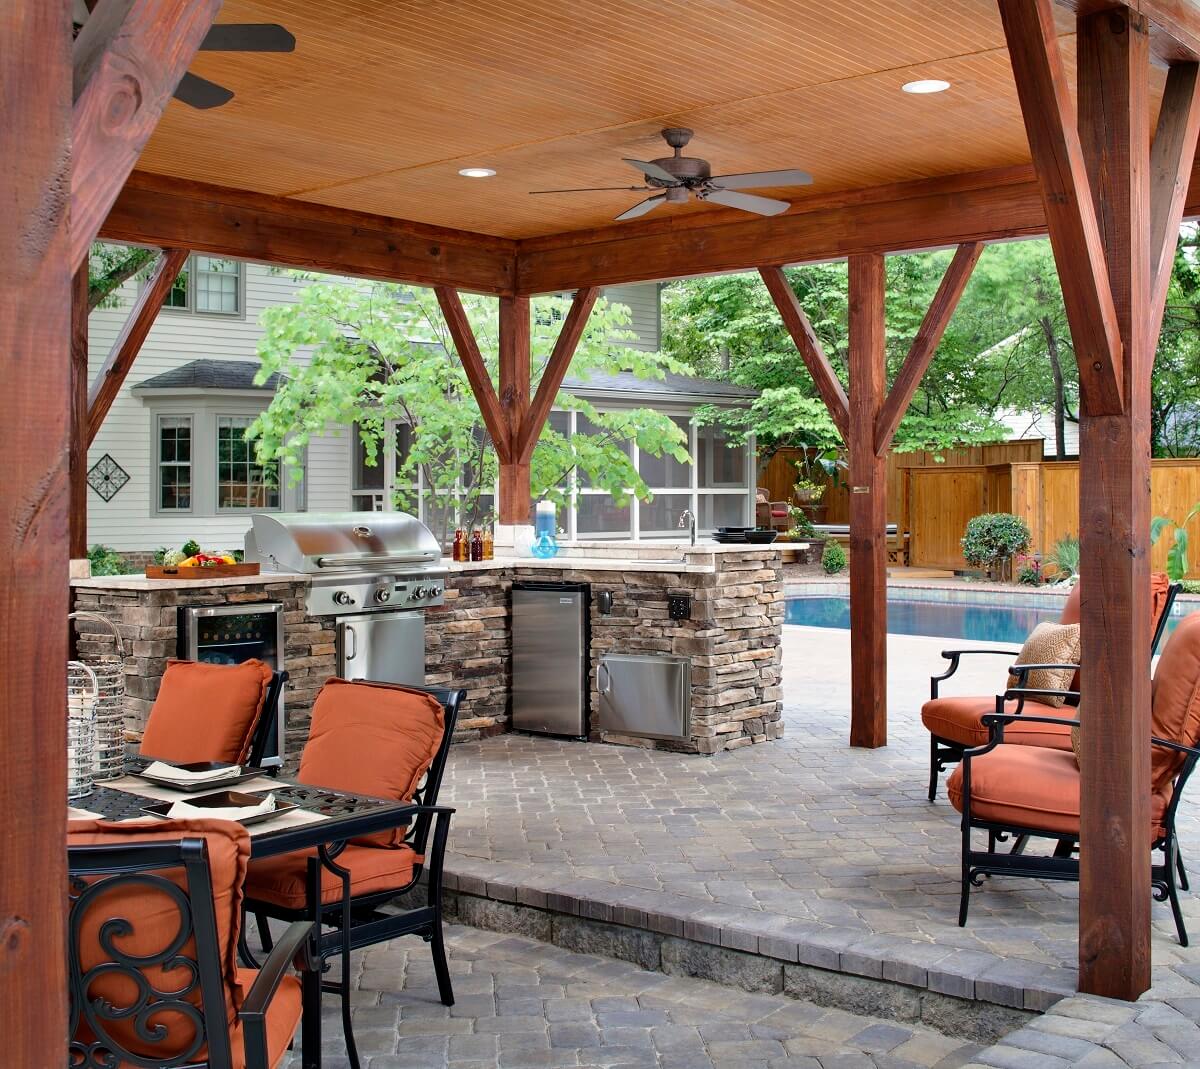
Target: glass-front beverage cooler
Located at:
point(230, 634)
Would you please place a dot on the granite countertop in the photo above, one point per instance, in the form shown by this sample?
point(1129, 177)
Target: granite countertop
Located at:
point(140, 582)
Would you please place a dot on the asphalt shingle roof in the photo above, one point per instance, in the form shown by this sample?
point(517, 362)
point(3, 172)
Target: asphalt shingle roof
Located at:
point(210, 375)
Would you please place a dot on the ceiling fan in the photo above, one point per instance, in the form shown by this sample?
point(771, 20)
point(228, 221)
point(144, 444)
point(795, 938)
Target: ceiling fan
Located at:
point(677, 177)
point(199, 92)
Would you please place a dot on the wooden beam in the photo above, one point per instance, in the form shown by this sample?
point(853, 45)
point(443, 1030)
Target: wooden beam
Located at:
point(868, 506)
point(811, 352)
point(35, 339)
point(1114, 512)
point(1174, 25)
point(925, 344)
point(477, 373)
point(80, 437)
point(555, 371)
point(129, 57)
point(1171, 157)
point(167, 212)
point(111, 376)
point(1070, 212)
point(515, 358)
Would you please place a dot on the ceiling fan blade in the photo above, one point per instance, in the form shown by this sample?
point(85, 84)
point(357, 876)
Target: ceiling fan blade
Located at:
point(747, 202)
point(201, 93)
point(653, 171)
point(758, 179)
point(248, 37)
point(642, 207)
point(593, 189)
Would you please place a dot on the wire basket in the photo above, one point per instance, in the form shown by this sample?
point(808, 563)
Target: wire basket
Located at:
point(109, 672)
point(83, 691)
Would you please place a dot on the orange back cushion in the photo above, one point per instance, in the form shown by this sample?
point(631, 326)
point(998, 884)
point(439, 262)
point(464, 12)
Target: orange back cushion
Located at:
point(1175, 699)
point(372, 738)
point(155, 921)
point(206, 712)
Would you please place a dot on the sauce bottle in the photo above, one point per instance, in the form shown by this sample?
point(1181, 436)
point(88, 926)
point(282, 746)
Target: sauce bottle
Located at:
point(459, 550)
point(476, 545)
point(489, 548)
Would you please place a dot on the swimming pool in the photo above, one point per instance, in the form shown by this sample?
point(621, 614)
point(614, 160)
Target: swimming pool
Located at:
point(975, 620)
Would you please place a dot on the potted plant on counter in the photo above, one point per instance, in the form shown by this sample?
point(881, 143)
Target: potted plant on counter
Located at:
point(816, 470)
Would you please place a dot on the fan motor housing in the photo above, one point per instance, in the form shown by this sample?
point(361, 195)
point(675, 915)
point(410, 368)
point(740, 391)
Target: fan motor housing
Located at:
point(685, 168)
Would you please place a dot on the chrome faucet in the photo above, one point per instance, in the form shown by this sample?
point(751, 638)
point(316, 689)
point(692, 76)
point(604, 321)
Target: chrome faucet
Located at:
point(687, 518)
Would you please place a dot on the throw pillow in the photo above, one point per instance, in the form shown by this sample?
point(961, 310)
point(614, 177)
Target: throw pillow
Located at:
point(1050, 644)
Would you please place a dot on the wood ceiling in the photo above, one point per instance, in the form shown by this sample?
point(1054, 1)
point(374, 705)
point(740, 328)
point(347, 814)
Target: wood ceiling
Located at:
point(382, 103)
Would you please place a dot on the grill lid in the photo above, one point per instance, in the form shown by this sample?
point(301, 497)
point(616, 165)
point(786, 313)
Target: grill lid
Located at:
point(313, 542)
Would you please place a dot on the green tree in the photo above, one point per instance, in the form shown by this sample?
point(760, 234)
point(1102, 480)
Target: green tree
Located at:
point(381, 355)
point(110, 266)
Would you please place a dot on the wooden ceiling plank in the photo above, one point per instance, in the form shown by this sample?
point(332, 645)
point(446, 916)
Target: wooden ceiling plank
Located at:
point(128, 60)
point(824, 377)
point(925, 344)
point(111, 376)
point(274, 230)
point(1171, 156)
point(556, 369)
point(477, 373)
point(1049, 115)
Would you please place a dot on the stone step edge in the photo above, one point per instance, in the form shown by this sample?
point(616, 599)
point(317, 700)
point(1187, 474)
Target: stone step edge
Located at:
point(964, 974)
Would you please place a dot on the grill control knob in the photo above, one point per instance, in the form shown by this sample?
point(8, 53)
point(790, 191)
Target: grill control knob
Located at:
point(341, 597)
point(383, 595)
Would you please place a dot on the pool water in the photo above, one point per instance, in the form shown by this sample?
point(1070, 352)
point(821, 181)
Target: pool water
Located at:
point(939, 619)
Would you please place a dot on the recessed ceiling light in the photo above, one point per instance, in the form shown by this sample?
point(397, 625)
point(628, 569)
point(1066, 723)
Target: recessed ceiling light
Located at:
point(477, 172)
point(926, 85)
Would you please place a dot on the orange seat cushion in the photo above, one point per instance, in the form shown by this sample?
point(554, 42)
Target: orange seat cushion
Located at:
point(206, 712)
point(372, 738)
point(282, 880)
point(283, 1017)
point(960, 719)
point(1031, 787)
point(1175, 699)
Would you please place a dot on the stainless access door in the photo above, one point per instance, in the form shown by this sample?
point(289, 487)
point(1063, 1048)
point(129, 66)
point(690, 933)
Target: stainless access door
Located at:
point(645, 694)
point(387, 647)
point(549, 658)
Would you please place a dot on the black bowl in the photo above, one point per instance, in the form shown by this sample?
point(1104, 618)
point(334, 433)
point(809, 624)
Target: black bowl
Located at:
point(761, 538)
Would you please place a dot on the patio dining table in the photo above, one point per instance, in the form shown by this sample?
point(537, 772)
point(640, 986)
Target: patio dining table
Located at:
point(322, 817)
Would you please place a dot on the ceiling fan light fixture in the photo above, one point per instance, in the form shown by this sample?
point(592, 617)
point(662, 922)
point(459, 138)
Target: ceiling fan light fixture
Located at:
point(477, 172)
point(924, 86)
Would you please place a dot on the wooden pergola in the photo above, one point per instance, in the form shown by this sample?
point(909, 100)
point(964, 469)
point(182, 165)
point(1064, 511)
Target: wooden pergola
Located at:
point(343, 157)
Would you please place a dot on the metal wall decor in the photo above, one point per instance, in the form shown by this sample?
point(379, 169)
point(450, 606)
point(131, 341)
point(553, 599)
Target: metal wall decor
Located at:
point(107, 477)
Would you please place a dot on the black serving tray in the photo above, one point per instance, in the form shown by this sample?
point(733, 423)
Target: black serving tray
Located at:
point(241, 773)
point(222, 800)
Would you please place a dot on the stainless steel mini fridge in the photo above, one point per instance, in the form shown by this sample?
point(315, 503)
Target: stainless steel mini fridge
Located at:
point(550, 658)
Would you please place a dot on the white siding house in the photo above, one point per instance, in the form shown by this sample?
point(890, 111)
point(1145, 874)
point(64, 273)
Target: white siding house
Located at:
point(179, 416)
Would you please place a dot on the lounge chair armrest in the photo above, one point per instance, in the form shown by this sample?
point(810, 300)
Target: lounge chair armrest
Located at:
point(995, 723)
point(1014, 693)
point(292, 945)
point(953, 657)
point(1178, 747)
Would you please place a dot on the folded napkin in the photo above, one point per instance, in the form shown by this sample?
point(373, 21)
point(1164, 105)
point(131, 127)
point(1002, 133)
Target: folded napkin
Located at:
point(187, 811)
point(161, 770)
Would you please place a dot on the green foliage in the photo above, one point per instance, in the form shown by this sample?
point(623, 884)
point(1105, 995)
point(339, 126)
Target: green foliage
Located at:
point(381, 354)
point(109, 266)
point(833, 560)
point(107, 561)
point(994, 538)
point(1177, 555)
point(1190, 586)
point(801, 526)
point(159, 555)
point(1065, 556)
point(1030, 574)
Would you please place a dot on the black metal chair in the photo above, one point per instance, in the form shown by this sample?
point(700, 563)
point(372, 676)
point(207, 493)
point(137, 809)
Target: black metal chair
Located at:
point(358, 921)
point(265, 741)
point(147, 982)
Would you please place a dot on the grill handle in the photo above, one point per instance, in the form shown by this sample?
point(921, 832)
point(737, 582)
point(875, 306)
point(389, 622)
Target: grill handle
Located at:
point(358, 560)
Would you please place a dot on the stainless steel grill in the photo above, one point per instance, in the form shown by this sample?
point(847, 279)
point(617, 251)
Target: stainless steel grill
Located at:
point(373, 572)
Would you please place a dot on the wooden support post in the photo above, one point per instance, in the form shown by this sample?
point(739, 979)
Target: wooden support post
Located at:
point(80, 438)
point(515, 505)
point(35, 340)
point(111, 376)
point(868, 506)
point(476, 370)
point(1114, 512)
point(128, 60)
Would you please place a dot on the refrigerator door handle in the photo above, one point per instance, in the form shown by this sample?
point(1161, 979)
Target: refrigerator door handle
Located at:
point(601, 688)
point(353, 635)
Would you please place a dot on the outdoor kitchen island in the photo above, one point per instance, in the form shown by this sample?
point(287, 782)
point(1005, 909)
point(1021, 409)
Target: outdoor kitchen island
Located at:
point(732, 636)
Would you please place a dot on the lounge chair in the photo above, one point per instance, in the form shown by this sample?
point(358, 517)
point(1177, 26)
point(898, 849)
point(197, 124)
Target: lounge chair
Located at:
point(770, 514)
point(955, 722)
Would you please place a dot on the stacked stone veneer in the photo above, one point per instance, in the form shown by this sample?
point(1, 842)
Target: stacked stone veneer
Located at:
point(148, 623)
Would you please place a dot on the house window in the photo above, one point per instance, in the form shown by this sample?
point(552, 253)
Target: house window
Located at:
point(175, 463)
point(242, 483)
point(212, 285)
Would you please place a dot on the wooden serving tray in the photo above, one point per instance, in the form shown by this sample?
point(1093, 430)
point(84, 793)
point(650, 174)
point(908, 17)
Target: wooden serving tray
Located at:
point(213, 571)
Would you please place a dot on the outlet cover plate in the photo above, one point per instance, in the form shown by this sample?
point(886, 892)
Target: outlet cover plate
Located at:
point(679, 606)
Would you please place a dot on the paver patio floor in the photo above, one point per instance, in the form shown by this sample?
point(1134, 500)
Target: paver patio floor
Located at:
point(804, 835)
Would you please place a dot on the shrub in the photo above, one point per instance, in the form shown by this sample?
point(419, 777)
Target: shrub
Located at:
point(1177, 555)
point(107, 561)
point(833, 560)
point(802, 527)
point(1030, 574)
point(993, 538)
point(1065, 556)
point(1190, 586)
